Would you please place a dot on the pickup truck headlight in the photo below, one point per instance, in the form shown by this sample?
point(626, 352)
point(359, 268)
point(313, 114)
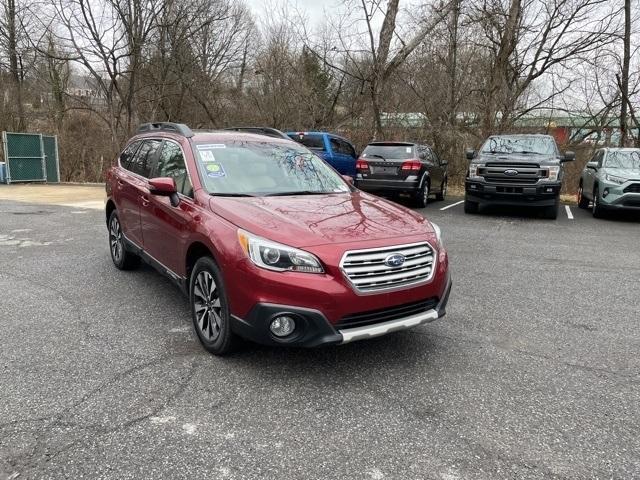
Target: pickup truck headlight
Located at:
point(554, 173)
point(614, 179)
point(473, 171)
point(275, 256)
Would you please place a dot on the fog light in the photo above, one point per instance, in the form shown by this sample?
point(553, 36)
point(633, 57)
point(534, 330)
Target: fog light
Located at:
point(606, 192)
point(549, 190)
point(282, 326)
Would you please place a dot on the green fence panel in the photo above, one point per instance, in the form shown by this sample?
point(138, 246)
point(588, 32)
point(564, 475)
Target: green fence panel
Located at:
point(24, 156)
point(50, 145)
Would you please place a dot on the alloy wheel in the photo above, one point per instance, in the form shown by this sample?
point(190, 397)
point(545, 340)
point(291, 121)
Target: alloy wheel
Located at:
point(207, 305)
point(425, 194)
point(444, 189)
point(115, 239)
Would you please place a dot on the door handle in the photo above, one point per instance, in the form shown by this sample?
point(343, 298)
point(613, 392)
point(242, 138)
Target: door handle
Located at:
point(145, 200)
point(120, 183)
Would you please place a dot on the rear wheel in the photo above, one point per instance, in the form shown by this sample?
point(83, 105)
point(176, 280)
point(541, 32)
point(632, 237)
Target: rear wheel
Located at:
point(471, 207)
point(597, 210)
point(122, 258)
point(443, 191)
point(422, 196)
point(210, 308)
point(582, 201)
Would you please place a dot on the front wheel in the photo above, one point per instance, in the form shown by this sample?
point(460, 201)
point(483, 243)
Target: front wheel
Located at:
point(551, 212)
point(422, 196)
point(210, 308)
point(471, 207)
point(443, 191)
point(597, 210)
point(582, 201)
point(122, 258)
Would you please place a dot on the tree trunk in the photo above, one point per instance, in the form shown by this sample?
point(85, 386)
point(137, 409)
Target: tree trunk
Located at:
point(624, 81)
point(15, 70)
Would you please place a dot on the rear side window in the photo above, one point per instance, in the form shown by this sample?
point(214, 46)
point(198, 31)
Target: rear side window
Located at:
point(314, 142)
point(171, 164)
point(141, 162)
point(342, 147)
point(389, 151)
point(128, 153)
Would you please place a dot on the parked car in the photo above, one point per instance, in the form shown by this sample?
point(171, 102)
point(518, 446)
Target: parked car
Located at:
point(522, 170)
point(269, 242)
point(402, 167)
point(611, 181)
point(336, 151)
point(268, 131)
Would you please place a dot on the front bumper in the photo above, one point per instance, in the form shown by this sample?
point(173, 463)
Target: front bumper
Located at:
point(314, 329)
point(537, 195)
point(618, 199)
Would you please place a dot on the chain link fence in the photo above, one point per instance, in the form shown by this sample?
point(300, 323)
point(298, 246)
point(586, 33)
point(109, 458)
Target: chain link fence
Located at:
point(30, 157)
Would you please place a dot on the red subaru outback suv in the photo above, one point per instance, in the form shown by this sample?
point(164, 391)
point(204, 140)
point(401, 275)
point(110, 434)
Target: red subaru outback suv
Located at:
point(269, 242)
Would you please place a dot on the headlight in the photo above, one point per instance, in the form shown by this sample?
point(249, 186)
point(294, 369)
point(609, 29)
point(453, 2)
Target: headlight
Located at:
point(473, 170)
point(554, 172)
point(614, 179)
point(275, 256)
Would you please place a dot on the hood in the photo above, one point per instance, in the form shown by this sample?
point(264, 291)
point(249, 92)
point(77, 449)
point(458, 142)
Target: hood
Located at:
point(628, 173)
point(310, 220)
point(517, 158)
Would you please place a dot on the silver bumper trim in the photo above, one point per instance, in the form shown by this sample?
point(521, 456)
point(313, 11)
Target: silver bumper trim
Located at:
point(370, 331)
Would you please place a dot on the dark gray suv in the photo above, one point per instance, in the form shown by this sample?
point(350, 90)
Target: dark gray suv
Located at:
point(402, 167)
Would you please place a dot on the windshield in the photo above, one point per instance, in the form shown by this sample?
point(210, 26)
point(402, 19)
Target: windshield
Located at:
point(394, 151)
point(626, 160)
point(520, 144)
point(242, 168)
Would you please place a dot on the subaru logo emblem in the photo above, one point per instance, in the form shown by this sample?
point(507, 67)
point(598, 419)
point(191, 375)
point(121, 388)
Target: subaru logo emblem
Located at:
point(511, 172)
point(394, 260)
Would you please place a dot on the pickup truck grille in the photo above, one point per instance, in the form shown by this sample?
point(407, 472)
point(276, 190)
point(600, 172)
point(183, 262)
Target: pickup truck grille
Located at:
point(633, 188)
point(368, 271)
point(527, 173)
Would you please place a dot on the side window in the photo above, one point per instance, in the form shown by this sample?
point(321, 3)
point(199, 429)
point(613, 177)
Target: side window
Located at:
point(600, 158)
point(171, 164)
point(346, 148)
point(436, 158)
point(141, 162)
point(125, 156)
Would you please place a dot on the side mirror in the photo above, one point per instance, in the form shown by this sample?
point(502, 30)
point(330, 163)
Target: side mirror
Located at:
point(165, 187)
point(348, 179)
point(568, 157)
point(444, 163)
point(470, 153)
point(592, 165)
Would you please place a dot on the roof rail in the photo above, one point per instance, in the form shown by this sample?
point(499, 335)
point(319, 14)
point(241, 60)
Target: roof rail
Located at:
point(170, 127)
point(268, 131)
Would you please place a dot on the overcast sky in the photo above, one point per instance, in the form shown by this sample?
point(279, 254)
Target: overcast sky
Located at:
point(311, 8)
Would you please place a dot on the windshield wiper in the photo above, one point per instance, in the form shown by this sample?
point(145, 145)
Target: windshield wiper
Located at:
point(377, 156)
point(528, 152)
point(231, 195)
point(297, 192)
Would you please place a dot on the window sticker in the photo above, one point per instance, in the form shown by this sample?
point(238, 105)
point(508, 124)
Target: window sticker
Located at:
point(408, 149)
point(214, 170)
point(207, 156)
point(211, 146)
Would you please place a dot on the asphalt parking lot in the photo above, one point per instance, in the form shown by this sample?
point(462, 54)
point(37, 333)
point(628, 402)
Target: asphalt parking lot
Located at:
point(533, 373)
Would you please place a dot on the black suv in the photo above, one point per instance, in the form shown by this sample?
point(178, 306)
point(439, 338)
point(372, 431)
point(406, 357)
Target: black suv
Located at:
point(402, 167)
point(516, 170)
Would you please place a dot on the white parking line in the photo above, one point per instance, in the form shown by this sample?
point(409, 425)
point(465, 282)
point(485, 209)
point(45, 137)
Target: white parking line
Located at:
point(569, 214)
point(452, 205)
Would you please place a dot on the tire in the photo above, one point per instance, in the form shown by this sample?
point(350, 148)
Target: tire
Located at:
point(597, 210)
point(210, 308)
point(422, 196)
point(551, 212)
point(582, 201)
point(122, 258)
point(471, 207)
point(443, 191)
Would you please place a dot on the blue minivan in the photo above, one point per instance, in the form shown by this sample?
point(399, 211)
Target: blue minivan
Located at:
point(336, 151)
